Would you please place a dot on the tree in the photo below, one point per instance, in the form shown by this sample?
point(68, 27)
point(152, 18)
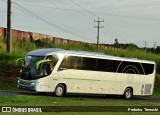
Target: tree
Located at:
point(116, 43)
point(158, 50)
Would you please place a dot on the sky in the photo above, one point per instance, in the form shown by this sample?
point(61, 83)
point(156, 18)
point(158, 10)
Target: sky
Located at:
point(129, 21)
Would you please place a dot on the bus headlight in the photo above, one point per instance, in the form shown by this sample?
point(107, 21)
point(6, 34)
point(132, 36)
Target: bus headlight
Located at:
point(33, 83)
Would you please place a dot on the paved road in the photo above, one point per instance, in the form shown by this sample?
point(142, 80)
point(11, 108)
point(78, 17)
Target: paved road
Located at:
point(16, 93)
point(83, 97)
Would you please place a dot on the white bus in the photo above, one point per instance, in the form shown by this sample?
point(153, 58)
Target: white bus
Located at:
point(67, 71)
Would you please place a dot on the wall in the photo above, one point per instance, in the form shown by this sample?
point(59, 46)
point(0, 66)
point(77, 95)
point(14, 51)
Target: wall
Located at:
point(31, 36)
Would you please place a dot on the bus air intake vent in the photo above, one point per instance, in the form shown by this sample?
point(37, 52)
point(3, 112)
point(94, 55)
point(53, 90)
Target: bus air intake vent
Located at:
point(148, 89)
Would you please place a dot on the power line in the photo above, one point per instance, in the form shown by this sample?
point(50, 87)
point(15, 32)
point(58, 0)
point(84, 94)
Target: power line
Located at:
point(111, 30)
point(52, 7)
point(131, 17)
point(73, 9)
point(65, 30)
point(115, 33)
point(126, 16)
point(93, 13)
point(84, 8)
point(46, 21)
point(108, 36)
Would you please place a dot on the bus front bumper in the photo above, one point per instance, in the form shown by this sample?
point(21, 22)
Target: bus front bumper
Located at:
point(25, 85)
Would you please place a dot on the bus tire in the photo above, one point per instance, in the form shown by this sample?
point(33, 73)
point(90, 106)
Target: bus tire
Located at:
point(128, 93)
point(60, 90)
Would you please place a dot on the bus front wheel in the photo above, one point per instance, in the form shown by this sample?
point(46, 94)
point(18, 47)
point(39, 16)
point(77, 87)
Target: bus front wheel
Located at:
point(128, 93)
point(60, 90)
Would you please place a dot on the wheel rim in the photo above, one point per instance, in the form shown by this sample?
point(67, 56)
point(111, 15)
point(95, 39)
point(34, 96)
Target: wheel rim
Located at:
point(128, 94)
point(59, 91)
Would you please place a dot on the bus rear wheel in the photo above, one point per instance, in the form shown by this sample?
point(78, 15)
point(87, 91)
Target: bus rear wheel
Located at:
point(60, 90)
point(128, 93)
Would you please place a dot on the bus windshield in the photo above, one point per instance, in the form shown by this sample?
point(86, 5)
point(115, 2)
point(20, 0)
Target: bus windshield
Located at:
point(28, 70)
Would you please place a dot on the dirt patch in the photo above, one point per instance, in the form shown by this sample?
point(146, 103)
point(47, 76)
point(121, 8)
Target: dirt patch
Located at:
point(11, 75)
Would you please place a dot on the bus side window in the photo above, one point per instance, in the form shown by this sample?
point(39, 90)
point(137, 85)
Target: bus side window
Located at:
point(112, 65)
point(54, 60)
point(148, 68)
point(70, 62)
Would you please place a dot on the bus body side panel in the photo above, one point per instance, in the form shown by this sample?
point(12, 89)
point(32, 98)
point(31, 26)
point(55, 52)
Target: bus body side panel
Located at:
point(129, 80)
point(73, 79)
point(141, 84)
point(81, 81)
point(40, 84)
point(98, 82)
point(106, 82)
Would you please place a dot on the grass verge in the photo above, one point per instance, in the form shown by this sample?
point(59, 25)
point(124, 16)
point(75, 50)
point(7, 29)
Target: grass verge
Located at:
point(69, 101)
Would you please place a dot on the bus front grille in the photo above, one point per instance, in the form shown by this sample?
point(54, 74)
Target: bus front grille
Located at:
point(24, 83)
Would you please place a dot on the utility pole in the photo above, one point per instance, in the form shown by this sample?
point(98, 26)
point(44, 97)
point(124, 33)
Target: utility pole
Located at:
point(154, 46)
point(145, 46)
point(98, 27)
point(9, 40)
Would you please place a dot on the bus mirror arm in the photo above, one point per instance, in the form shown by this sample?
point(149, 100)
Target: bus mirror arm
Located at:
point(42, 61)
point(19, 59)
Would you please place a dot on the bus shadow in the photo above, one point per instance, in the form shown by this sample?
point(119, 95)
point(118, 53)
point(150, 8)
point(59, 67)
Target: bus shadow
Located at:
point(88, 96)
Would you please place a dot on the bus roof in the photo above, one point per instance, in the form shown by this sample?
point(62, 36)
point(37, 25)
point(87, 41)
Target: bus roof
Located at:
point(51, 51)
point(44, 52)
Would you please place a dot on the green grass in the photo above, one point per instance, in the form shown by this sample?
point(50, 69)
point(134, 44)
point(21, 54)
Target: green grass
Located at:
point(65, 101)
point(68, 101)
point(156, 94)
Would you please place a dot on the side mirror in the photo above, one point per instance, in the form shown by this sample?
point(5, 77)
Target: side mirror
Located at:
point(19, 60)
point(42, 61)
